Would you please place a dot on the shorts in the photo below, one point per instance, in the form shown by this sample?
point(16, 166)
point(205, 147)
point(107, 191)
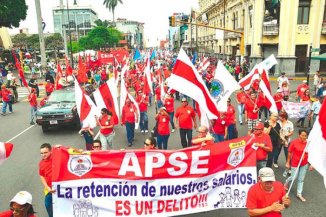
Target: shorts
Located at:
point(252, 123)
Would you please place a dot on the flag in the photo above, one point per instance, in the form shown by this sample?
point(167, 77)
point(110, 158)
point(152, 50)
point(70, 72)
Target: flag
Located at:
point(148, 79)
point(153, 55)
point(202, 116)
point(68, 67)
point(317, 143)
point(137, 55)
point(203, 64)
point(85, 107)
point(186, 80)
point(106, 97)
point(5, 151)
point(57, 77)
point(223, 86)
point(20, 70)
point(82, 76)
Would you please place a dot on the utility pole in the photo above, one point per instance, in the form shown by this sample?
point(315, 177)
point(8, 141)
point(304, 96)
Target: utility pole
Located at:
point(71, 56)
point(309, 62)
point(40, 32)
point(63, 26)
point(224, 31)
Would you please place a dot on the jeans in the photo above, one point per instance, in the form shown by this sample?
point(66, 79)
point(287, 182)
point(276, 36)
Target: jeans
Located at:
point(162, 141)
point(130, 128)
point(150, 96)
point(171, 114)
point(143, 122)
point(186, 137)
point(159, 104)
point(33, 112)
point(240, 112)
point(48, 204)
point(231, 132)
point(218, 137)
point(301, 120)
point(301, 175)
point(107, 141)
point(4, 106)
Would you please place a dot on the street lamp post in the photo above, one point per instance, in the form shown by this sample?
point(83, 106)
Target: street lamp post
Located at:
point(71, 56)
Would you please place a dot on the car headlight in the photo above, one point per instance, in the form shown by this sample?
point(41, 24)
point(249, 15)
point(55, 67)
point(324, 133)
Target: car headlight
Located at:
point(39, 117)
point(69, 116)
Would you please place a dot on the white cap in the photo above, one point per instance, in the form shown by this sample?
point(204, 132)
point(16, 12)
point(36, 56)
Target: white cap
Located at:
point(266, 174)
point(22, 197)
point(304, 81)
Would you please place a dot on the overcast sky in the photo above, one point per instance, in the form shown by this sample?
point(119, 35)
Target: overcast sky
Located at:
point(154, 13)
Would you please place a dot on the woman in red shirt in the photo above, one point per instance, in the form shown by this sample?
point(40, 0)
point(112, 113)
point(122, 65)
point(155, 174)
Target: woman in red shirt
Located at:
point(304, 98)
point(107, 133)
point(20, 206)
point(297, 147)
point(163, 130)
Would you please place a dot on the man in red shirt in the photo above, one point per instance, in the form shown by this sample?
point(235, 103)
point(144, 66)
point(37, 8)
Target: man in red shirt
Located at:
point(49, 87)
point(262, 141)
point(230, 116)
point(278, 98)
point(301, 89)
point(251, 111)
point(142, 100)
point(169, 105)
point(220, 127)
point(267, 198)
point(241, 99)
point(6, 96)
point(185, 118)
point(129, 118)
point(33, 103)
point(203, 138)
point(45, 172)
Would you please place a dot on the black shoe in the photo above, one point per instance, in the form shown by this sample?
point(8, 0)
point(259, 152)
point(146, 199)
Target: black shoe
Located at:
point(32, 123)
point(130, 144)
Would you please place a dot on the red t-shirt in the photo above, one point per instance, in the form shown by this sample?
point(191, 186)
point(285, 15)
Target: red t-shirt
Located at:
point(296, 148)
point(104, 121)
point(103, 75)
point(49, 87)
point(184, 116)
point(220, 125)
point(144, 104)
point(163, 125)
point(9, 213)
point(128, 113)
point(301, 89)
point(158, 92)
point(261, 154)
point(258, 198)
point(5, 95)
point(32, 99)
point(249, 107)
point(241, 97)
point(305, 98)
point(45, 170)
point(169, 104)
point(277, 97)
point(230, 114)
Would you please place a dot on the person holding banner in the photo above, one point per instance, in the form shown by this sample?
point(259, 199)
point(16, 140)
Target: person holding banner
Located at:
point(45, 172)
point(305, 97)
point(296, 151)
point(267, 197)
point(106, 124)
point(20, 206)
point(203, 138)
point(314, 111)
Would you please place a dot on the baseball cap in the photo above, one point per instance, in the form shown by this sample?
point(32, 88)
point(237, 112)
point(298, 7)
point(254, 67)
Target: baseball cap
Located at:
point(304, 81)
point(266, 174)
point(259, 126)
point(22, 197)
point(163, 108)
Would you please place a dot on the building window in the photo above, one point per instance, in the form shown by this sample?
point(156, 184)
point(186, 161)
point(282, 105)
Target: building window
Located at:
point(251, 11)
point(303, 12)
point(325, 14)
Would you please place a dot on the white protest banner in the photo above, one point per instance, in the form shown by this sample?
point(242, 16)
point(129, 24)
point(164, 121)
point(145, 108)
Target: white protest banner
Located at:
point(153, 182)
point(296, 109)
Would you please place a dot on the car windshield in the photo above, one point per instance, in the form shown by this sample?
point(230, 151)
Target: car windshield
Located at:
point(59, 96)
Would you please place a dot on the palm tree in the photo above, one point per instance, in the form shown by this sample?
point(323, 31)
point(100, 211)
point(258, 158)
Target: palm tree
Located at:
point(112, 4)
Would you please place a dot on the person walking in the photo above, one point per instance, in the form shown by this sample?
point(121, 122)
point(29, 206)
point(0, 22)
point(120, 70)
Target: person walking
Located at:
point(241, 99)
point(106, 123)
point(267, 197)
point(304, 98)
point(6, 96)
point(185, 118)
point(129, 118)
point(45, 172)
point(286, 132)
point(33, 103)
point(33, 84)
point(169, 105)
point(272, 128)
point(296, 150)
point(142, 100)
point(88, 134)
point(230, 116)
point(251, 111)
point(163, 129)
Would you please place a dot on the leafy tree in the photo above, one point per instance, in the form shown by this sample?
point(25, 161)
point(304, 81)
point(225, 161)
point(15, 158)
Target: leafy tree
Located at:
point(20, 40)
point(33, 42)
point(75, 46)
point(112, 4)
point(12, 12)
point(115, 37)
point(103, 23)
point(54, 42)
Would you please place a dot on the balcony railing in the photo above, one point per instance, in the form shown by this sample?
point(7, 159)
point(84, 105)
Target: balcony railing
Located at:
point(270, 29)
point(323, 28)
point(232, 35)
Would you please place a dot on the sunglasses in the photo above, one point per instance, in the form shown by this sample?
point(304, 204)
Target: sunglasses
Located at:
point(146, 144)
point(18, 210)
point(183, 101)
point(97, 146)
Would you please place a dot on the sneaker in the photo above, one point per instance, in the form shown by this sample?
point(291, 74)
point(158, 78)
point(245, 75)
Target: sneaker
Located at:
point(173, 130)
point(3, 114)
point(10, 112)
point(275, 165)
point(301, 198)
point(146, 131)
point(130, 144)
point(241, 123)
point(142, 131)
point(259, 119)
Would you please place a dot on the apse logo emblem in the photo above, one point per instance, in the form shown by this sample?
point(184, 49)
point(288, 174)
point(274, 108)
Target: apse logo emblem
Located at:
point(216, 89)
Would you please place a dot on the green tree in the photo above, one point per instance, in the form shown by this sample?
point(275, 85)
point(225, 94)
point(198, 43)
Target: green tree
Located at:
point(115, 37)
point(12, 12)
point(54, 42)
point(75, 46)
point(103, 23)
point(20, 40)
point(111, 5)
point(33, 42)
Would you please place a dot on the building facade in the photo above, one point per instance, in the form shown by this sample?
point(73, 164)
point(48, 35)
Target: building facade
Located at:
point(133, 31)
point(81, 20)
point(286, 28)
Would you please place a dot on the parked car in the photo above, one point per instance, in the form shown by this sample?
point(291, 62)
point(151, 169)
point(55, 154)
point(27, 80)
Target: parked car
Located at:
point(59, 110)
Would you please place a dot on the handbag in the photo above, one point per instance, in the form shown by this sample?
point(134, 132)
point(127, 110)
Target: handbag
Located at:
point(154, 130)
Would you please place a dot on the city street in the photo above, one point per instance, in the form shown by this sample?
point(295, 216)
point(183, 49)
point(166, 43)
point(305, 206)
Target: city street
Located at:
point(20, 171)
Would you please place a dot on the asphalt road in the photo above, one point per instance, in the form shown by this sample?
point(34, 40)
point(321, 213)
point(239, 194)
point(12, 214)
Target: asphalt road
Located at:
point(20, 171)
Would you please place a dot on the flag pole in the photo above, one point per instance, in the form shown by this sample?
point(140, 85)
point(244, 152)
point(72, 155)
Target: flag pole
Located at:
point(297, 170)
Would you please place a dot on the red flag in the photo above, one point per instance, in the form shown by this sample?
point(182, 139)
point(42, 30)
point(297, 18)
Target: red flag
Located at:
point(68, 67)
point(57, 77)
point(5, 151)
point(187, 80)
point(106, 97)
point(265, 79)
point(82, 76)
point(20, 70)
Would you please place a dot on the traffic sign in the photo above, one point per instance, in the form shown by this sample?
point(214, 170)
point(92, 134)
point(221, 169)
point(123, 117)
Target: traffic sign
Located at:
point(315, 49)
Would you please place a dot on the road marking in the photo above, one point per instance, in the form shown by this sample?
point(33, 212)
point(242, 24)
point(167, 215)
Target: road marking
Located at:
point(20, 133)
point(97, 135)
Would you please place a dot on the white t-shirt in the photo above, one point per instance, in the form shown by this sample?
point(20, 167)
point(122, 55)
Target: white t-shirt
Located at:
point(281, 79)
